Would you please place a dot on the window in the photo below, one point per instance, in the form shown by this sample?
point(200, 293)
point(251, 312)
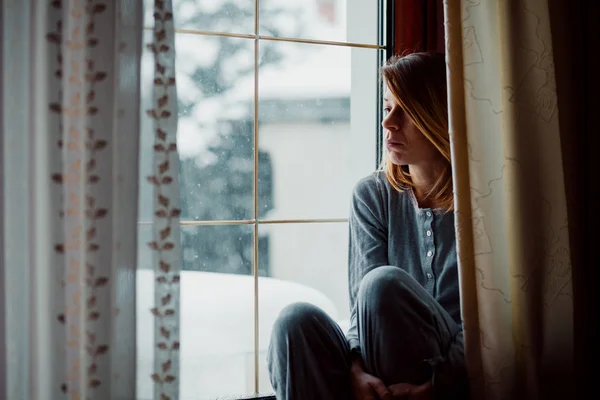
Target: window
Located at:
point(278, 118)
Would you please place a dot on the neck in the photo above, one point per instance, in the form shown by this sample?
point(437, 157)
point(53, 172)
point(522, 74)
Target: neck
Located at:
point(423, 179)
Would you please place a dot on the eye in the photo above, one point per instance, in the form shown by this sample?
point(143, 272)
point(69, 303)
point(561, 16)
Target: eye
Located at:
point(386, 111)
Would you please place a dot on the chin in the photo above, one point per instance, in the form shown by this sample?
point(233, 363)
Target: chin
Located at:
point(399, 161)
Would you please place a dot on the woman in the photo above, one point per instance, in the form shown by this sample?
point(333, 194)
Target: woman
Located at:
point(405, 338)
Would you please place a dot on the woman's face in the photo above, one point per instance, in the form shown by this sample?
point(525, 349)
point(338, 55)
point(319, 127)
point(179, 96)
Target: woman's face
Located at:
point(405, 144)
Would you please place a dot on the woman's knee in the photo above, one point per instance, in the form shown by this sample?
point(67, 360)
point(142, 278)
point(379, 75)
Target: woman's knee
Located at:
point(296, 317)
point(381, 284)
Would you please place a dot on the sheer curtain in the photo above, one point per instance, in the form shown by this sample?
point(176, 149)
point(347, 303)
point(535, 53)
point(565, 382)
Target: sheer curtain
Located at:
point(70, 155)
point(512, 220)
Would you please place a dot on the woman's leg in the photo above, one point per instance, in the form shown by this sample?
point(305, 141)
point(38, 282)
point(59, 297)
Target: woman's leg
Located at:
point(399, 326)
point(308, 356)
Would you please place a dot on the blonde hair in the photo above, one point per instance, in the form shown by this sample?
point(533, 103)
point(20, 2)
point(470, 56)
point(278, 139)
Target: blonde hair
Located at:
point(417, 82)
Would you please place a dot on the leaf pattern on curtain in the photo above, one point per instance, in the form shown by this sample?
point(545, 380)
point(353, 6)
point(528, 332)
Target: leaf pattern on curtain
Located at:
point(82, 210)
point(165, 183)
point(92, 208)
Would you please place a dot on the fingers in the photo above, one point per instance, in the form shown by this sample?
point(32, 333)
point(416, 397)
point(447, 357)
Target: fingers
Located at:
point(424, 388)
point(402, 390)
point(421, 392)
point(382, 391)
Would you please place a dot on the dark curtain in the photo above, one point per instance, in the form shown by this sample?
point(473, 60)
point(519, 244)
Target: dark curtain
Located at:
point(419, 26)
point(575, 35)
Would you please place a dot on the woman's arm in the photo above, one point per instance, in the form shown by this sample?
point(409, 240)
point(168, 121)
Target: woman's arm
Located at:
point(368, 247)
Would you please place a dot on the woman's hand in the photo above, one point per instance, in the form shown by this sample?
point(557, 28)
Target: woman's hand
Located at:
point(412, 392)
point(366, 386)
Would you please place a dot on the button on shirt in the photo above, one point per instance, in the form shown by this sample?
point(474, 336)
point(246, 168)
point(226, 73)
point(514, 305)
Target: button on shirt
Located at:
point(388, 228)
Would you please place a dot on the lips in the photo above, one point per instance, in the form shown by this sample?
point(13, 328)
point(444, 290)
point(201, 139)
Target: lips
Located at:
point(392, 145)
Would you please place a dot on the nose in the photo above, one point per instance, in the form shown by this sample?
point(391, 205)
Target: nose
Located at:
point(389, 123)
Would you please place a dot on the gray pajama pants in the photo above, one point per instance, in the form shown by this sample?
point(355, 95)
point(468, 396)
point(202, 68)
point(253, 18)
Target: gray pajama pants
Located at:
point(399, 326)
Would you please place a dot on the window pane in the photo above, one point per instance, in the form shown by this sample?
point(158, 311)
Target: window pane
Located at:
point(330, 20)
point(217, 314)
point(229, 16)
point(217, 323)
point(318, 147)
point(216, 130)
point(307, 263)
